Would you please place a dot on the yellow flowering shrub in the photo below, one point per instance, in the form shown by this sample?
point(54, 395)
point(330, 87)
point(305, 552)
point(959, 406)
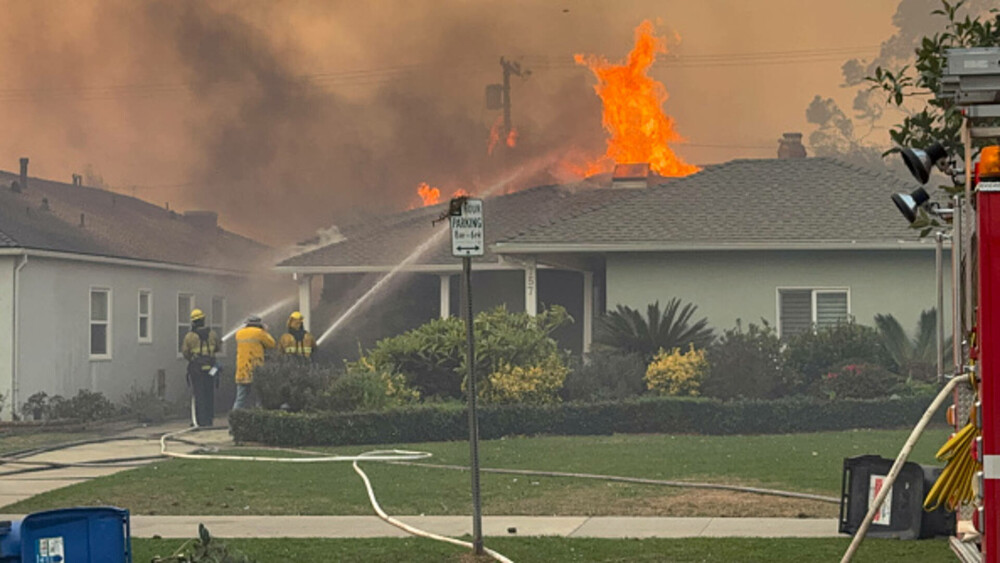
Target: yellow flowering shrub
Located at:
point(536, 384)
point(674, 373)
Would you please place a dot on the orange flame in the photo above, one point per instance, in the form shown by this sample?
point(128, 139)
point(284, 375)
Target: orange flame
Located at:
point(428, 195)
point(494, 135)
point(633, 112)
point(512, 138)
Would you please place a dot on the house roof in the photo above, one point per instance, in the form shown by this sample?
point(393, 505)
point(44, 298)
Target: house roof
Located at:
point(389, 240)
point(47, 216)
point(799, 202)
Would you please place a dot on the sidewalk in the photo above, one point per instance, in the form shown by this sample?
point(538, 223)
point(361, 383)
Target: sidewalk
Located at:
point(19, 486)
point(565, 526)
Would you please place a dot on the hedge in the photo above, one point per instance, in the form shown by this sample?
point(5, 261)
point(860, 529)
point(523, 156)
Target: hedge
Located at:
point(665, 415)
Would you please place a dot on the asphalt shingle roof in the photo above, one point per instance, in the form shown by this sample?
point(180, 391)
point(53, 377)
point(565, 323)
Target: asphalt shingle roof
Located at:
point(115, 225)
point(392, 238)
point(807, 200)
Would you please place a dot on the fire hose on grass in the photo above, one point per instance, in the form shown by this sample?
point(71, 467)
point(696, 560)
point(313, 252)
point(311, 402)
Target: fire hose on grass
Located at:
point(897, 466)
point(398, 457)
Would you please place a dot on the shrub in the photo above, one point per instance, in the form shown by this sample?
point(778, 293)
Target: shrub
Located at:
point(147, 406)
point(536, 384)
point(675, 373)
point(449, 421)
point(365, 389)
point(813, 354)
point(626, 330)
point(605, 375)
point(748, 364)
point(290, 382)
point(916, 357)
point(856, 380)
point(37, 407)
point(86, 406)
point(432, 356)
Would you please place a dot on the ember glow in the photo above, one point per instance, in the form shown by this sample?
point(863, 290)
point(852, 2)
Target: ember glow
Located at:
point(428, 195)
point(633, 110)
point(496, 132)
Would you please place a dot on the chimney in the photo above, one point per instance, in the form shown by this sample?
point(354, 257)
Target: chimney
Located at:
point(631, 176)
point(202, 220)
point(77, 180)
point(24, 173)
point(790, 146)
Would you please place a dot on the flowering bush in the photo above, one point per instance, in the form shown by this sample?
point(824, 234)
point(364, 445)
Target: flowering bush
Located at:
point(536, 384)
point(364, 388)
point(857, 380)
point(674, 373)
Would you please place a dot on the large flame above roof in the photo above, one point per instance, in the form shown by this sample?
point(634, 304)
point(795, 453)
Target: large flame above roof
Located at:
point(633, 113)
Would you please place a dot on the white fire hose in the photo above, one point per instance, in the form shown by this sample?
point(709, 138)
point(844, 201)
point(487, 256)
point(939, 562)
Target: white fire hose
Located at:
point(374, 455)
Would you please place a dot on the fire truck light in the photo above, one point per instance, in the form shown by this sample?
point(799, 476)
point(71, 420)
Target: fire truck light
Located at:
point(920, 162)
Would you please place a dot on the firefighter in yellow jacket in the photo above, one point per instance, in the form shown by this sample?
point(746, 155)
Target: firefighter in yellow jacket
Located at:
point(297, 342)
point(199, 348)
point(251, 342)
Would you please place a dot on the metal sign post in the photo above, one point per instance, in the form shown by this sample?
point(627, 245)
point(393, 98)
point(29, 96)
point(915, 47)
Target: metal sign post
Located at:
point(467, 240)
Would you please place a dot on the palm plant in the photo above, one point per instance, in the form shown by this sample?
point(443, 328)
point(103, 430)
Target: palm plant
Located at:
point(627, 330)
point(914, 357)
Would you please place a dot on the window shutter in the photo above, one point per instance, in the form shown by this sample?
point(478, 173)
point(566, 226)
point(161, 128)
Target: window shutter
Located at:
point(796, 311)
point(831, 308)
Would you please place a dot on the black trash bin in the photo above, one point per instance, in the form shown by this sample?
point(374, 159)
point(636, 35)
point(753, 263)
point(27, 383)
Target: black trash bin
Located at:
point(902, 514)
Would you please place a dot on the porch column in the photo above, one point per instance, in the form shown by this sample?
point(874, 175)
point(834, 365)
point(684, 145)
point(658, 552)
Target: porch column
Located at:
point(531, 287)
point(305, 299)
point(445, 296)
point(588, 311)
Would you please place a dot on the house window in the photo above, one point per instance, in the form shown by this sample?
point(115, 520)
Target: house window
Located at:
point(100, 324)
point(145, 316)
point(218, 320)
point(800, 310)
point(185, 303)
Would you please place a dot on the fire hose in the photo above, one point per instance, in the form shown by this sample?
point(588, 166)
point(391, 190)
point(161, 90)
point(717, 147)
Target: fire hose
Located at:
point(395, 457)
point(897, 466)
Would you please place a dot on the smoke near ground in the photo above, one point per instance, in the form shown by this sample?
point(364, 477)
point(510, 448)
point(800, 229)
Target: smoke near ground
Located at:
point(294, 115)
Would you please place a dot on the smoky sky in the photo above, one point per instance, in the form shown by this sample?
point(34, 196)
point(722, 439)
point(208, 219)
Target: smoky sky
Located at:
point(293, 115)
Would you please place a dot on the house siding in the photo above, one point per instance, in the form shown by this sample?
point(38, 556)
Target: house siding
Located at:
point(727, 286)
point(7, 264)
point(54, 332)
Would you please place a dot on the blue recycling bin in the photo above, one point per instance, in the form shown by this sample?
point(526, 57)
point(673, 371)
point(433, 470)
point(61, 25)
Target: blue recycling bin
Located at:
point(84, 535)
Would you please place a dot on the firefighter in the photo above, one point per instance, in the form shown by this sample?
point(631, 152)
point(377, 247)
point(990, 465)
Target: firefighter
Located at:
point(297, 342)
point(251, 342)
point(199, 348)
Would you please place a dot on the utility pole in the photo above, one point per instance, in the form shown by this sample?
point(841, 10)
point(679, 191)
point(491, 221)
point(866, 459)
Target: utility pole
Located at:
point(509, 68)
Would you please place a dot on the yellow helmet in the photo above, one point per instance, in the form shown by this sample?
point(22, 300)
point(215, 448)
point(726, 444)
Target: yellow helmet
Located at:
point(197, 315)
point(296, 315)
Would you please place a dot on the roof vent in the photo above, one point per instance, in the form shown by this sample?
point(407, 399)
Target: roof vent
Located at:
point(631, 176)
point(202, 220)
point(790, 146)
point(77, 179)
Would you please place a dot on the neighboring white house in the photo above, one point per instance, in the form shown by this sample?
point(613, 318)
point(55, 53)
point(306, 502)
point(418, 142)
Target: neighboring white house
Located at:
point(96, 289)
point(795, 241)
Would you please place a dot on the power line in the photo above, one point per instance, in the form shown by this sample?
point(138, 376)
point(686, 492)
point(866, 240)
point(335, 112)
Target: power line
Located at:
point(367, 77)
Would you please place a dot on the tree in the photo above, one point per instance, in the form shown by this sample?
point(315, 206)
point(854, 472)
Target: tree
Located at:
point(626, 330)
point(915, 357)
point(934, 119)
point(909, 84)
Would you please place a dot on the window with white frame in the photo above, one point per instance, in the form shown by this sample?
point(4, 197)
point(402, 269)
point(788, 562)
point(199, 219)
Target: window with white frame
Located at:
point(100, 323)
point(185, 304)
point(800, 310)
point(145, 316)
point(218, 320)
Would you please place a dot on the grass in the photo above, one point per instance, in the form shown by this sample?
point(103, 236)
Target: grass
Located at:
point(801, 462)
point(571, 550)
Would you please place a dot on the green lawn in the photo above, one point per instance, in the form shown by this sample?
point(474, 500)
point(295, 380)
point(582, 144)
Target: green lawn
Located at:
point(526, 550)
point(802, 462)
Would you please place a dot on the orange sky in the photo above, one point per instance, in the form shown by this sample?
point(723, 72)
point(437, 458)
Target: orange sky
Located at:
point(115, 87)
